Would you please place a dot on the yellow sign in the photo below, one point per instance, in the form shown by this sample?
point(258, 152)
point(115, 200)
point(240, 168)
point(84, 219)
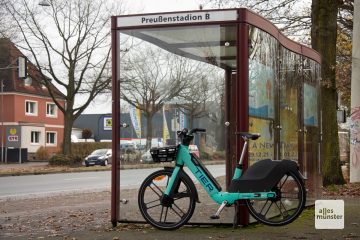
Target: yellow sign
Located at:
point(108, 122)
point(12, 131)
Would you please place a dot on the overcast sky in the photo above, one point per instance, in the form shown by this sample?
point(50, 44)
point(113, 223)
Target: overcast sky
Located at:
point(103, 103)
point(149, 6)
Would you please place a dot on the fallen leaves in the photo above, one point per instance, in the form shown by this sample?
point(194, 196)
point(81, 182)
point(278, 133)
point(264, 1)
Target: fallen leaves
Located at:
point(347, 190)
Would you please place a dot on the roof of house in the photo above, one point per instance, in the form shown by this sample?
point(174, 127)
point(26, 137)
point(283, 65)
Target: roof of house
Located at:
point(9, 54)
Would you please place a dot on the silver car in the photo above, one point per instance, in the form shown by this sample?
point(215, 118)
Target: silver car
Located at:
point(146, 157)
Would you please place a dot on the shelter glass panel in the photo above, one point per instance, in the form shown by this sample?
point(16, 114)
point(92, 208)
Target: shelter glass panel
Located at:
point(263, 51)
point(290, 76)
point(311, 164)
point(173, 78)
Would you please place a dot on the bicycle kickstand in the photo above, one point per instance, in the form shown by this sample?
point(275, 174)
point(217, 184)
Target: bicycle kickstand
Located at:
point(217, 214)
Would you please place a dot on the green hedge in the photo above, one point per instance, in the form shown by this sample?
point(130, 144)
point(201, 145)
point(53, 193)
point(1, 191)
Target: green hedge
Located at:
point(83, 149)
point(79, 152)
point(65, 160)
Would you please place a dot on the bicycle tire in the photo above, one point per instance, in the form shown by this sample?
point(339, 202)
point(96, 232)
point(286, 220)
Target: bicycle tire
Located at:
point(285, 207)
point(181, 203)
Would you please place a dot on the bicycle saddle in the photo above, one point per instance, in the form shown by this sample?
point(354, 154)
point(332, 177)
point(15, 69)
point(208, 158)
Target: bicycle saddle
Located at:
point(252, 136)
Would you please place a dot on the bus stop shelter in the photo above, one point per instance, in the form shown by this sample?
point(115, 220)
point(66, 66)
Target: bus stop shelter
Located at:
point(269, 84)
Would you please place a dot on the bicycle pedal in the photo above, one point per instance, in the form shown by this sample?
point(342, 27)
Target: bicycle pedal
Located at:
point(214, 217)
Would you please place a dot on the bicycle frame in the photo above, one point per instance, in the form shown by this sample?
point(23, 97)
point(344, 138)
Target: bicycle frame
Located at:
point(183, 158)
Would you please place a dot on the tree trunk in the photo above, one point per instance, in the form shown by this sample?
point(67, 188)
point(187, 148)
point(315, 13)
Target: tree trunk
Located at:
point(68, 124)
point(355, 99)
point(323, 39)
point(149, 130)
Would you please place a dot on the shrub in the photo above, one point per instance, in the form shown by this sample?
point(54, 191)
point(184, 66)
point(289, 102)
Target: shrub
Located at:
point(83, 149)
point(59, 160)
point(205, 155)
point(65, 160)
point(76, 161)
point(79, 152)
point(218, 155)
point(42, 154)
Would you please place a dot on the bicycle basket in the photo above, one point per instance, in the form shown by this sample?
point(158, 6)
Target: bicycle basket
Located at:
point(164, 154)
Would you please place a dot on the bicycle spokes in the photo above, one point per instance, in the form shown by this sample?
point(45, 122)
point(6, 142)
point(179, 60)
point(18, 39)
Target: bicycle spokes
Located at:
point(285, 206)
point(162, 211)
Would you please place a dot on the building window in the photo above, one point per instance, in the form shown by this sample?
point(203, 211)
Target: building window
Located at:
point(51, 110)
point(31, 108)
point(35, 137)
point(51, 138)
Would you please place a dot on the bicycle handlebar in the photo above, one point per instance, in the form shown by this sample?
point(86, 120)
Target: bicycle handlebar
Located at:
point(186, 136)
point(195, 130)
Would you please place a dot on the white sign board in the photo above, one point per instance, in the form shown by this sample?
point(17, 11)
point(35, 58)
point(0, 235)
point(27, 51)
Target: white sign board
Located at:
point(176, 18)
point(22, 67)
point(329, 214)
point(107, 123)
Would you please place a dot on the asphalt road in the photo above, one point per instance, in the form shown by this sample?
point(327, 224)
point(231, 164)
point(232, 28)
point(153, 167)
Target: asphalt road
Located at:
point(35, 185)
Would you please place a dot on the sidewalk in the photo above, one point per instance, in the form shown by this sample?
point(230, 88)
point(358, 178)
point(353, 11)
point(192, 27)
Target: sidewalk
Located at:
point(87, 216)
point(22, 165)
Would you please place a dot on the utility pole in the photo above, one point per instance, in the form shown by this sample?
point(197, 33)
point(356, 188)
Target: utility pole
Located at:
point(355, 99)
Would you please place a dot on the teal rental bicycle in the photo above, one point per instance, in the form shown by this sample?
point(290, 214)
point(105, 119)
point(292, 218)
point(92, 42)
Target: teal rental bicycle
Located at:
point(273, 190)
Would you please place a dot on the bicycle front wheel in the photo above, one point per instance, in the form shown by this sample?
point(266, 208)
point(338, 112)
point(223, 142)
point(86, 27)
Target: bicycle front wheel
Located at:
point(285, 207)
point(173, 212)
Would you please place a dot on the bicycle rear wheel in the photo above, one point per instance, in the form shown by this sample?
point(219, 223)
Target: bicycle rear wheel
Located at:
point(285, 207)
point(172, 212)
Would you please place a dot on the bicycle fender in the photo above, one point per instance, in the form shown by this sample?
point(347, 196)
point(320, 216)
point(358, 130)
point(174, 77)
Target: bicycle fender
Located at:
point(185, 177)
point(263, 175)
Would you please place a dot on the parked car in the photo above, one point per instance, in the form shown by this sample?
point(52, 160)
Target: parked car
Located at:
point(128, 146)
point(194, 149)
point(99, 157)
point(146, 157)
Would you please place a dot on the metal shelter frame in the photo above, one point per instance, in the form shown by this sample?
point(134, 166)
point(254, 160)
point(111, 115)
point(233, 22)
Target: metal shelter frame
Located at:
point(236, 93)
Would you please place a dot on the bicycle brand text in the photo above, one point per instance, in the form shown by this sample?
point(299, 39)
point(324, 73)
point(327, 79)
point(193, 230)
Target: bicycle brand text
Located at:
point(204, 180)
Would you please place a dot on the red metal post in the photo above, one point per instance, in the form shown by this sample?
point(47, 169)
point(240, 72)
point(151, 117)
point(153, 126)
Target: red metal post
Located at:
point(242, 103)
point(115, 166)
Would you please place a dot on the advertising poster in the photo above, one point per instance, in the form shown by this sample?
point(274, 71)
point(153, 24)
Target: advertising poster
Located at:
point(289, 122)
point(262, 148)
point(261, 90)
point(310, 105)
point(166, 134)
point(135, 120)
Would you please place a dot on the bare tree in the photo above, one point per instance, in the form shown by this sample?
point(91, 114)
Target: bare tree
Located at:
point(6, 25)
point(69, 41)
point(152, 77)
point(346, 16)
point(292, 17)
point(216, 107)
point(195, 99)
